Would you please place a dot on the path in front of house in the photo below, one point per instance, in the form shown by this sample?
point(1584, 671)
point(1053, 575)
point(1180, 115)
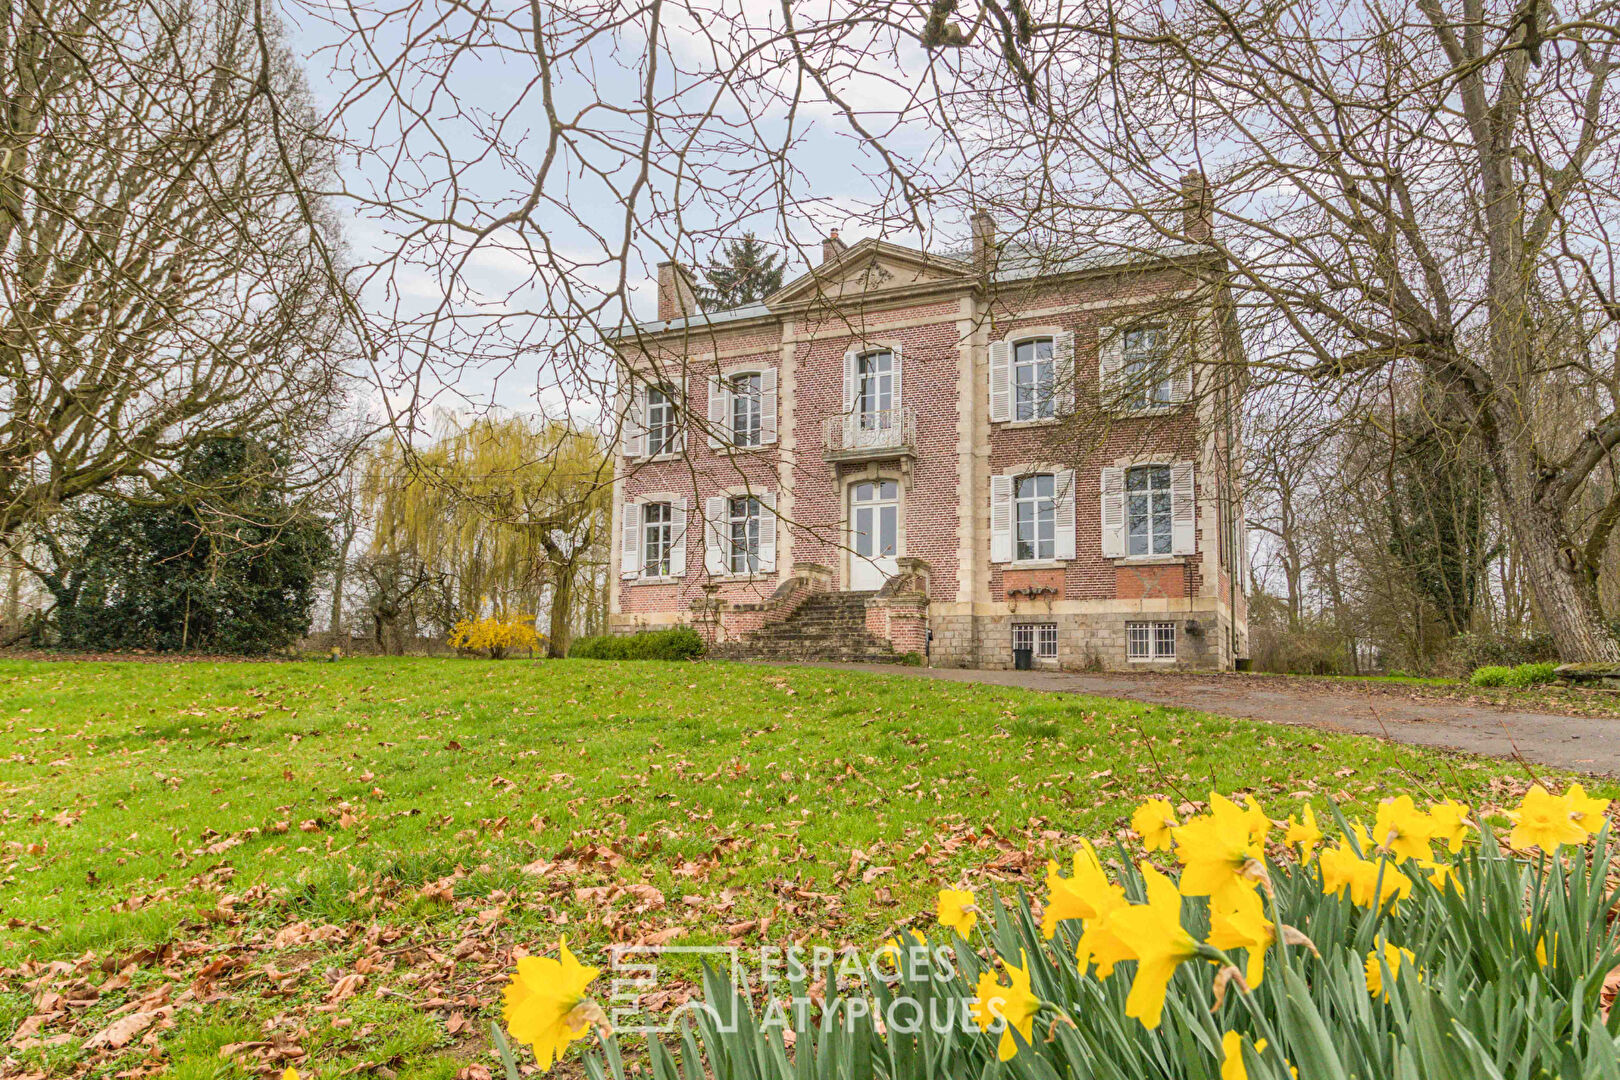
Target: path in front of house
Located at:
point(1577, 743)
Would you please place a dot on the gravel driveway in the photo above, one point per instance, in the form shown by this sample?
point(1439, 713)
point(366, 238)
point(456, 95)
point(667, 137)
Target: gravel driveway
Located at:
point(1580, 744)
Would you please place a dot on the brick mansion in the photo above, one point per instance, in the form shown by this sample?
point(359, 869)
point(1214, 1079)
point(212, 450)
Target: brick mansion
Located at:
point(951, 455)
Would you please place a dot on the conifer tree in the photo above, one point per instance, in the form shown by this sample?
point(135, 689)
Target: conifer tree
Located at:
point(747, 273)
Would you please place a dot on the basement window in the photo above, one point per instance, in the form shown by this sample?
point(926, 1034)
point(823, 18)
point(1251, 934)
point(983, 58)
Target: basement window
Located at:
point(1150, 641)
point(1040, 638)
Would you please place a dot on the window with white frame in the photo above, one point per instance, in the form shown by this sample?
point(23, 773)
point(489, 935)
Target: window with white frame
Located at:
point(657, 539)
point(1145, 368)
point(745, 408)
point(1040, 638)
point(874, 390)
point(742, 523)
point(1035, 517)
point(1150, 641)
point(1032, 378)
point(1147, 510)
point(661, 421)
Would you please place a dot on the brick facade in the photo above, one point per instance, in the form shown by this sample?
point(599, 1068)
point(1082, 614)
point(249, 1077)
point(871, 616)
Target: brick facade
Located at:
point(961, 602)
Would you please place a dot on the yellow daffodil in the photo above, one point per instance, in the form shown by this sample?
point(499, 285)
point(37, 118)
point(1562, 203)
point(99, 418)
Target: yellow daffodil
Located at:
point(1441, 875)
point(1153, 821)
point(1259, 823)
point(894, 948)
point(1153, 931)
point(1343, 869)
point(1085, 894)
point(1099, 944)
point(1015, 1005)
point(1589, 812)
point(1450, 823)
point(1402, 829)
point(289, 1073)
point(1244, 926)
point(956, 910)
point(1546, 821)
point(1541, 944)
point(1232, 1067)
point(1303, 833)
point(1219, 852)
point(1392, 958)
point(545, 1004)
point(1338, 868)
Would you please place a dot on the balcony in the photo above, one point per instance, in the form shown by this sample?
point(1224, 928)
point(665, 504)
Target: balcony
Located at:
point(871, 436)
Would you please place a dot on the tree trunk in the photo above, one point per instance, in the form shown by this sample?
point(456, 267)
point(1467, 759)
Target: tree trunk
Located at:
point(1558, 584)
point(336, 623)
point(562, 603)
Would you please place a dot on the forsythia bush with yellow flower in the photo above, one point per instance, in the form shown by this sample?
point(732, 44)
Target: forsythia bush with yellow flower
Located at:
point(1416, 946)
point(496, 637)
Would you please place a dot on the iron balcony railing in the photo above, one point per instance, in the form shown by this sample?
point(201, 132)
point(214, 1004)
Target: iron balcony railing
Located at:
point(873, 431)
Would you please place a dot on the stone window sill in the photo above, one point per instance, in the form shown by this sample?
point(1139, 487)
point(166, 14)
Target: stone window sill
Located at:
point(1038, 564)
point(1014, 425)
point(653, 581)
point(1150, 560)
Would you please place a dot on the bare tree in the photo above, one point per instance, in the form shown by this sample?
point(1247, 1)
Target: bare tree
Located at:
point(164, 279)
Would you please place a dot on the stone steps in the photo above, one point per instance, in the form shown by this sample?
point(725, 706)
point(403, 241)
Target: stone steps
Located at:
point(827, 626)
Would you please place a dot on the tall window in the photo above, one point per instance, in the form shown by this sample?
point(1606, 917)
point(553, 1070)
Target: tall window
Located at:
point(1035, 508)
point(661, 421)
point(1147, 510)
point(1150, 641)
point(1145, 368)
point(1032, 376)
point(745, 409)
point(875, 388)
point(742, 518)
point(657, 537)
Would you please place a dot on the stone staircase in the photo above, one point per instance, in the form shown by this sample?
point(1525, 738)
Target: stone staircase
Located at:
point(827, 626)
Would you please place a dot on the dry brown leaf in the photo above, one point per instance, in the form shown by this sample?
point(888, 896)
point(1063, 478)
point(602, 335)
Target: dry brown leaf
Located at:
point(120, 1032)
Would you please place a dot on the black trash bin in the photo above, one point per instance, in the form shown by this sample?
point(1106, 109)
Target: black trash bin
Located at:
point(1023, 659)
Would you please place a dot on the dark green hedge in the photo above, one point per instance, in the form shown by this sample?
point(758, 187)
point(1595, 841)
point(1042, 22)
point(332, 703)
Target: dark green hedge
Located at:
point(680, 643)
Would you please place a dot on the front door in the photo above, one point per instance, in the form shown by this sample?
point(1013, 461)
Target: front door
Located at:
point(874, 533)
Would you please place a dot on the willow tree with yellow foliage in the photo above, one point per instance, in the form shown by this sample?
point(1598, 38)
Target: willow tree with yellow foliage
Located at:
point(506, 515)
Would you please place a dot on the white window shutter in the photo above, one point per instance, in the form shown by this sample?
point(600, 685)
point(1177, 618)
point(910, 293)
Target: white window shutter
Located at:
point(677, 529)
point(1113, 513)
point(680, 418)
point(767, 533)
point(719, 413)
point(1063, 513)
point(630, 540)
point(849, 382)
point(1181, 379)
point(635, 423)
point(1183, 509)
point(767, 406)
point(1001, 523)
point(1110, 358)
point(899, 398)
point(714, 545)
point(1063, 373)
point(1000, 381)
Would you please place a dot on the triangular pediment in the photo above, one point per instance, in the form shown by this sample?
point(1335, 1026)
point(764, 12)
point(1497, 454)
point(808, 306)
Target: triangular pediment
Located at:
point(868, 267)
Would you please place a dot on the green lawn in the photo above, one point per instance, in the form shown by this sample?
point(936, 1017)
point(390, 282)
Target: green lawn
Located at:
point(337, 860)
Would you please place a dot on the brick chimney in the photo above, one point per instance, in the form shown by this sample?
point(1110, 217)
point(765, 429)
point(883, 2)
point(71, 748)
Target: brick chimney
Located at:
point(832, 247)
point(984, 239)
point(676, 297)
point(1197, 209)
